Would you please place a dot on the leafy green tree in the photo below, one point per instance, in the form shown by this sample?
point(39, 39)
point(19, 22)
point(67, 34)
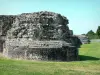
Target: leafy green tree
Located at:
point(90, 34)
point(98, 32)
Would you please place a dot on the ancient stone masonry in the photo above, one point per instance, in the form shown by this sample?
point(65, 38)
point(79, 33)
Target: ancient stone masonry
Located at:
point(5, 24)
point(39, 36)
point(84, 39)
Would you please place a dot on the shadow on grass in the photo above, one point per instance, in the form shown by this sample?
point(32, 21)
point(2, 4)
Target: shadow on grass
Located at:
point(84, 58)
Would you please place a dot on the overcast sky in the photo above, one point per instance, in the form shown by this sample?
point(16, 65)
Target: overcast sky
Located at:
point(83, 15)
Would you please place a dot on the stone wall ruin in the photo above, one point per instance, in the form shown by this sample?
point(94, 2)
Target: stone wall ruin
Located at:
point(39, 36)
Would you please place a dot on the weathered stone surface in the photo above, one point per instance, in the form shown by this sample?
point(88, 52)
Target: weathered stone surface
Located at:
point(6, 23)
point(55, 40)
point(84, 39)
point(40, 26)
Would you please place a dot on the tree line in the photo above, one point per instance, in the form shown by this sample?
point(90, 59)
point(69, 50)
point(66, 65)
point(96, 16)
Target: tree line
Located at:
point(94, 35)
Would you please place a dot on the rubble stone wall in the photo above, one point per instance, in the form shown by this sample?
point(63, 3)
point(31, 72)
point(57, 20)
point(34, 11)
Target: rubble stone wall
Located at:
point(22, 49)
point(41, 26)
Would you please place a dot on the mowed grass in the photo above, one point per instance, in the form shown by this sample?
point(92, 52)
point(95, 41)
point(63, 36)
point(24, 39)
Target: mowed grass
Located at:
point(89, 64)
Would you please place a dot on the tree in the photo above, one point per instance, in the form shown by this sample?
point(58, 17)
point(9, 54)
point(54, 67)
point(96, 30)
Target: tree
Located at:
point(98, 32)
point(90, 34)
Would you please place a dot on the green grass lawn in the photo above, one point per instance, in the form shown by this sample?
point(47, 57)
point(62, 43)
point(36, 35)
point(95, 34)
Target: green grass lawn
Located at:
point(89, 64)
